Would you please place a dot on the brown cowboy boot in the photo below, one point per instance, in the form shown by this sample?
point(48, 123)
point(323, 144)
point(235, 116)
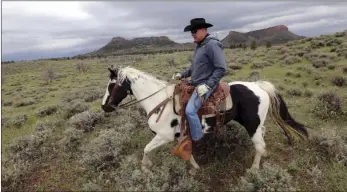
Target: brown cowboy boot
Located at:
point(184, 148)
point(196, 144)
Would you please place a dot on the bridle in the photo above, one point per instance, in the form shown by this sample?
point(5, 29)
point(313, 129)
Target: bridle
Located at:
point(131, 102)
point(156, 109)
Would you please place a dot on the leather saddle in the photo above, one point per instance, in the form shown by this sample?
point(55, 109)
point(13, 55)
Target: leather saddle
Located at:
point(219, 101)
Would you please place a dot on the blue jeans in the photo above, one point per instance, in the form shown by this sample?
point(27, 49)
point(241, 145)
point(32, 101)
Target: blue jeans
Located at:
point(194, 104)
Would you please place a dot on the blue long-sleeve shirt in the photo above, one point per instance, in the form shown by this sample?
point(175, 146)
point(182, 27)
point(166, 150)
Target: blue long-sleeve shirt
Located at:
point(209, 65)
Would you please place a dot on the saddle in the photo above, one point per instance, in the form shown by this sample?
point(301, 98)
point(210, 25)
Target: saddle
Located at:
point(219, 101)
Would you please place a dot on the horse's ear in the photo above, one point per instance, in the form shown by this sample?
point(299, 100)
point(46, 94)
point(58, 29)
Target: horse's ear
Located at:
point(116, 69)
point(113, 74)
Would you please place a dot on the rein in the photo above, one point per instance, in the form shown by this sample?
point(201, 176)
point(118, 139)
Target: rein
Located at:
point(127, 104)
point(130, 103)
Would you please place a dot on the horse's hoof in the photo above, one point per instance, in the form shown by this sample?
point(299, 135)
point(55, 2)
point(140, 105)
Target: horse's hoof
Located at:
point(145, 169)
point(254, 168)
point(193, 171)
point(147, 163)
point(265, 154)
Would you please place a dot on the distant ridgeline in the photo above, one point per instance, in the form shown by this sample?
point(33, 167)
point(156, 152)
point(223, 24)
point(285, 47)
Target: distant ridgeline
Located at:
point(140, 45)
point(162, 44)
point(274, 35)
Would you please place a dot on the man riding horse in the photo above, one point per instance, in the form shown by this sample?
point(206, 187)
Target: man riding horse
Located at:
point(207, 69)
point(248, 103)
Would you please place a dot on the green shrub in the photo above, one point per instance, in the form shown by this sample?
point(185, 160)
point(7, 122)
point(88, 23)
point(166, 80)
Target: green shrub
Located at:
point(281, 88)
point(339, 34)
point(82, 67)
point(88, 95)
point(289, 74)
point(42, 126)
point(294, 92)
point(287, 80)
point(235, 67)
point(331, 66)
point(259, 64)
point(162, 178)
point(305, 69)
point(333, 42)
point(19, 120)
point(320, 63)
point(253, 45)
point(315, 44)
point(344, 70)
point(342, 52)
point(171, 61)
point(85, 121)
point(292, 60)
point(244, 60)
point(105, 150)
point(49, 74)
point(308, 93)
point(5, 121)
point(254, 76)
point(90, 186)
point(317, 76)
point(299, 53)
point(330, 146)
point(282, 50)
point(47, 110)
point(269, 178)
point(338, 81)
point(68, 110)
point(24, 154)
point(297, 75)
point(284, 56)
point(72, 139)
point(322, 55)
point(7, 103)
point(270, 61)
point(190, 59)
point(328, 105)
point(23, 103)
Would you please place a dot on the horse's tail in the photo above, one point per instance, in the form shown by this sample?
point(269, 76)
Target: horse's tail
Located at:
point(279, 113)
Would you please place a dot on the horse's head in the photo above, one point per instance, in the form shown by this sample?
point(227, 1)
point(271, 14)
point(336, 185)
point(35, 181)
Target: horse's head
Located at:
point(117, 90)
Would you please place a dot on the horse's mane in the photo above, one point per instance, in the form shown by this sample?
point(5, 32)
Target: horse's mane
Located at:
point(130, 72)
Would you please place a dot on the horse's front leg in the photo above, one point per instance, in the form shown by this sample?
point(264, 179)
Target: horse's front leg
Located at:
point(157, 141)
point(195, 168)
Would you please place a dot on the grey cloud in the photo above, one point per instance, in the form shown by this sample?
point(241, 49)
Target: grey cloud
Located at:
point(23, 33)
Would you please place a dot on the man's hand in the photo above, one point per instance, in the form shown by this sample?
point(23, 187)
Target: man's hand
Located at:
point(202, 89)
point(177, 76)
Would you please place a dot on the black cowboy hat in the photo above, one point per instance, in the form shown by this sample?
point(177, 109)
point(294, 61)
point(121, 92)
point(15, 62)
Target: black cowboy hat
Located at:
point(197, 23)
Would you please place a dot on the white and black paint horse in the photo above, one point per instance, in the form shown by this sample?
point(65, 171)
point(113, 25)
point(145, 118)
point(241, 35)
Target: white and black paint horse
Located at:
point(251, 103)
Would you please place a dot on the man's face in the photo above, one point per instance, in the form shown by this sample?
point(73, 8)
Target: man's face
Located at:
point(198, 34)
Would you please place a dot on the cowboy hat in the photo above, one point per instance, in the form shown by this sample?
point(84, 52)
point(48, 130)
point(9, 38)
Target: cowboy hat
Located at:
point(197, 23)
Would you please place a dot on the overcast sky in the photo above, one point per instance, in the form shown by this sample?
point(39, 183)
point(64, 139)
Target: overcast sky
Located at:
point(32, 30)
